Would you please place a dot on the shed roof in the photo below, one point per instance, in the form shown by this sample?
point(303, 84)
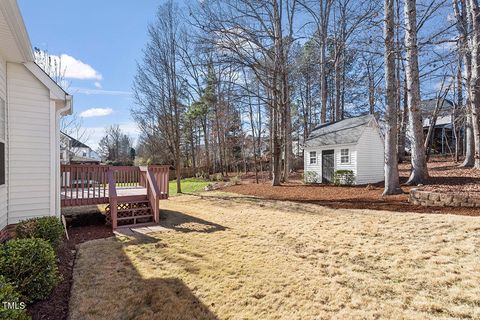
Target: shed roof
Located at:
point(346, 131)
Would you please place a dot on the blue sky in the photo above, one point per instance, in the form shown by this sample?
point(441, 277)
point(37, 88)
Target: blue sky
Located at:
point(103, 40)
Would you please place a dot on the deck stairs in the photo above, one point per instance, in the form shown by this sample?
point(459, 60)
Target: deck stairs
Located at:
point(131, 211)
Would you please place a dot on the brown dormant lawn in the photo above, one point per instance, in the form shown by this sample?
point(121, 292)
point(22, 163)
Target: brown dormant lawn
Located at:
point(224, 256)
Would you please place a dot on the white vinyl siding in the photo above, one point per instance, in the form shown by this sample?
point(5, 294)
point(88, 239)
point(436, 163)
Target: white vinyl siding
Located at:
point(371, 157)
point(30, 166)
point(3, 127)
point(351, 165)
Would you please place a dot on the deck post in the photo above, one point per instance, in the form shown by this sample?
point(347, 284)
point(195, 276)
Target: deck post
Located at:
point(113, 211)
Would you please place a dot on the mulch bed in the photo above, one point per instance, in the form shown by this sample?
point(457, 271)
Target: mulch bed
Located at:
point(80, 230)
point(445, 176)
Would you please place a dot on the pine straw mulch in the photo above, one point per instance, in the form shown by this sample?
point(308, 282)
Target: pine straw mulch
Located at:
point(445, 176)
point(55, 307)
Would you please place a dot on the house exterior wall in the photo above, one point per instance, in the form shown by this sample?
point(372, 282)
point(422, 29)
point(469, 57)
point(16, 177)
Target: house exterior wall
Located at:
point(352, 165)
point(3, 126)
point(370, 156)
point(30, 146)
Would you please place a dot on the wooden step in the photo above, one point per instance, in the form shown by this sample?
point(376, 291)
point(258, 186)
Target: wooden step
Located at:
point(134, 209)
point(135, 217)
point(128, 199)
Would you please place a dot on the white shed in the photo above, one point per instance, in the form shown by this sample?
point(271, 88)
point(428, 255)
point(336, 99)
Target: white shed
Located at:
point(31, 105)
point(354, 144)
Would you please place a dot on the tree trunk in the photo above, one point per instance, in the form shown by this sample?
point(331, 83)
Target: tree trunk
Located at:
point(419, 171)
point(392, 184)
point(475, 76)
point(207, 149)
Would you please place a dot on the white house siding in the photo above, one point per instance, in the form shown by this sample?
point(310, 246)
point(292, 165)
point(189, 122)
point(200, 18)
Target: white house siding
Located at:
point(313, 167)
point(370, 158)
point(4, 188)
point(30, 166)
point(338, 165)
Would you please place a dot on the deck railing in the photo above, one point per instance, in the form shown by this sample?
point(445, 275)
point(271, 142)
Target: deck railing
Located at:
point(83, 185)
point(96, 184)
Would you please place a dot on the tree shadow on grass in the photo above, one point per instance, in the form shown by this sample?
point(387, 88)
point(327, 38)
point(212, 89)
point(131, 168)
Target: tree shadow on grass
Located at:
point(182, 222)
point(120, 290)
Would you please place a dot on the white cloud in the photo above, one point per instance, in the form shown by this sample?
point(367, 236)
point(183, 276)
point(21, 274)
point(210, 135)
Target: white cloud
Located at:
point(76, 69)
point(87, 91)
point(97, 85)
point(96, 112)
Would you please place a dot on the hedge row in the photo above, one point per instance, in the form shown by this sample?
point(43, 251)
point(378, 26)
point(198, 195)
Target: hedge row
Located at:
point(28, 268)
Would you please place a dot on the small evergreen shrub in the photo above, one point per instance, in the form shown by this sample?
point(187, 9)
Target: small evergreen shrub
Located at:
point(311, 177)
point(30, 265)
point(234, 181)
point(46, 228)
point(11, 305)
point(344, 177)
point(202, 175)
point(218, 177)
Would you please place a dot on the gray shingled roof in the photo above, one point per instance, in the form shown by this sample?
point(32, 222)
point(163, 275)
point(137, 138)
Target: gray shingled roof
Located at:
point(346, 131)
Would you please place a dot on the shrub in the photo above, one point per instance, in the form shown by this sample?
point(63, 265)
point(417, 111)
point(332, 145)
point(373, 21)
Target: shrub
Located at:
point(234, 181)
point(311, 177)
point(11, 305)
point(46, 228)
point(218, 177)
point(202, 175)
point(30, 265)
point(343, 177)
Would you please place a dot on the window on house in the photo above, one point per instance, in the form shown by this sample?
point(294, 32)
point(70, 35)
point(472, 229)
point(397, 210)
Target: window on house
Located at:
point(313, 157)
point(3, 121)
point(344, 156)
point(84, 154)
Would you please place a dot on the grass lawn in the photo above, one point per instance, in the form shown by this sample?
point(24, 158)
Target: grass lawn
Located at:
point(189, 185)
point(224, 256)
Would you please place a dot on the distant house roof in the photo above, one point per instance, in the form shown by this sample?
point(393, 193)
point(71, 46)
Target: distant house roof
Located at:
point(428, 107)
point(79, 160)
point(75, 142)
point(346, 131)
point(444, 117)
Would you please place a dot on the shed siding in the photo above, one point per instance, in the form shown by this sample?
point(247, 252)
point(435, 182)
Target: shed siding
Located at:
point(371, 157)
point(338, 165)
point(30, 146)
point(4, 188)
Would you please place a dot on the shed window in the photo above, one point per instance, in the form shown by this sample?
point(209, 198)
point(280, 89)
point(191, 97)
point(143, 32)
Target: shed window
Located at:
point(313, 157)
point(3, 121)
point(344, 156)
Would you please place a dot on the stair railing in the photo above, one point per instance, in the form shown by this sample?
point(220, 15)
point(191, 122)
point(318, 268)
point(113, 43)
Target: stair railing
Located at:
point(153, 192)
point(112, 194)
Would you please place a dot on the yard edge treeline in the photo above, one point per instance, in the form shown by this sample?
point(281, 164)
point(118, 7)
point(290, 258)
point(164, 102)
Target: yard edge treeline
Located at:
point(238, 85)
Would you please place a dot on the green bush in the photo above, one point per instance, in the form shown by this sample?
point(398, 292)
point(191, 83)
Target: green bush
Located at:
point(218, 177)
point(202, 175)
point(30, 265)
point(11, 305)
point(46, 228)
point(311, 177)
point(344, 177)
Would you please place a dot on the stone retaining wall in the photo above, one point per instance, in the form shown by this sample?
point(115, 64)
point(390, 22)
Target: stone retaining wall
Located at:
point(437, 199)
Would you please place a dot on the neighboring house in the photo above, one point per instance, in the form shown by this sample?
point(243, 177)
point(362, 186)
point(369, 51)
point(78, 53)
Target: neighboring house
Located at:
point(73, 151)
point(31, 105)
point(442, 138)
point(352, 144)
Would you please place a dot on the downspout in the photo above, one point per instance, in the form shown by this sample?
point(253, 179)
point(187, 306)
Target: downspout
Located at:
point(66, 110)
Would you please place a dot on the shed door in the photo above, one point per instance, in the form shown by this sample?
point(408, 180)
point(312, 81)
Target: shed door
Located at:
point(328, 165)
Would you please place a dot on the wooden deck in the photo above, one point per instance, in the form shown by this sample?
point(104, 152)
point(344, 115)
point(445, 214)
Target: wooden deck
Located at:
point(116, 186)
